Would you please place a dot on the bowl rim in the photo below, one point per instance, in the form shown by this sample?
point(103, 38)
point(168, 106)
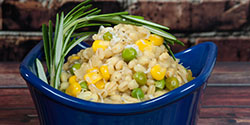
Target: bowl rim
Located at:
point(118, 109)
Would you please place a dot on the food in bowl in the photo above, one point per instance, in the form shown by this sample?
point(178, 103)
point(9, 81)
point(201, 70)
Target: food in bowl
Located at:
point(125, 64)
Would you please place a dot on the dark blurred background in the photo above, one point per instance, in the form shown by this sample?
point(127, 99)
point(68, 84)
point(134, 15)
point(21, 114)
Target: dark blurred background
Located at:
point(225, 22)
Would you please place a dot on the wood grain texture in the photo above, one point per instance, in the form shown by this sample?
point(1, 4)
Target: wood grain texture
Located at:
point(12, 80)
point(226, 104)
point(223, 112)
point(15, 98)
point(231, 72)
point(9, 67)
point(227, 96)
point(17, 107)
point(18, 116)
point(223, 121)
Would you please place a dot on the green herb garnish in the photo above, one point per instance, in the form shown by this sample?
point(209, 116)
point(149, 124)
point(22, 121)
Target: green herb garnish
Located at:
point(57, 47)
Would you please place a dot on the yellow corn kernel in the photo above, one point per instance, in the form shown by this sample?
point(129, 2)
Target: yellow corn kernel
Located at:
point(158, 72)
point(144, 44)
point(105, 72)
point(100, 44)
point(100, 84)
point(156, 40)
point(74, 57)
point(72, 79)
point(95, 69)
point(74, 89)
point(92, 77)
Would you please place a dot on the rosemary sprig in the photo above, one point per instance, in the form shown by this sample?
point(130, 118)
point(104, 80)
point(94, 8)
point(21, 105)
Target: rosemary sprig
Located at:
point(57, 47)
point(41, 73)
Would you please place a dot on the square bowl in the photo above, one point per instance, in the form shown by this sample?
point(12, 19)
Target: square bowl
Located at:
point(177, 107)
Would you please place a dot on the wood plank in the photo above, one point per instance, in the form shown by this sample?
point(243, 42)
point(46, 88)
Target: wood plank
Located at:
point(221, 67)
point(17, 107)
point(15, 98)
point(230, 77)
point(10, 76)
point(9, 67)
point(222, 112)
point(225, 106)
point(21, 116)
point(226, 96)
point(12, 80)
point(223, 121)
point(230, 72)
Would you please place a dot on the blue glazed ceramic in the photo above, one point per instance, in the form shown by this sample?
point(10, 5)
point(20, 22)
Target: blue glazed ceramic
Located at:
point(178, 107)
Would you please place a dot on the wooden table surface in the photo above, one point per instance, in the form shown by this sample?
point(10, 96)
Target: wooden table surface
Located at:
point(226, 100)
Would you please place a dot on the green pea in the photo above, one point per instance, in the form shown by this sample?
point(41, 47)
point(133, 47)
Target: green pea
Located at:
point(75, 67)
point(84, 85)
point(160, 84)
point(137, 93)
point(189, 75)
point(140, 78)
point(172, 83)
point(107, 36)
point(129, 54)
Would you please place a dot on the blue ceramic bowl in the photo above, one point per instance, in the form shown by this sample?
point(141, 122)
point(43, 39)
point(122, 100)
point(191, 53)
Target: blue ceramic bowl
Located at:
point(177, 107)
